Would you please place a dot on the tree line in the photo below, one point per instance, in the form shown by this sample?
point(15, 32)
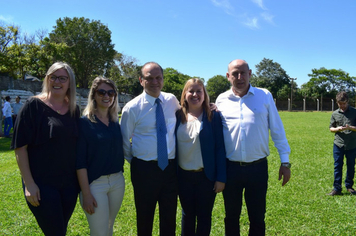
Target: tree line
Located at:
point(86, 45)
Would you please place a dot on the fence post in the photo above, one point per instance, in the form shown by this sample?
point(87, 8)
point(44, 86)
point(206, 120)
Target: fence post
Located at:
point(317, 104)
point(289, 104)
point(332, 104)
point(303, 104)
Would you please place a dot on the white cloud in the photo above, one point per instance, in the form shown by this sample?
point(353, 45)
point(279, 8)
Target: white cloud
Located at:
point(259, 3)
point(267, 17)
point(252, 23)
point(224, 4)
point(7, 19)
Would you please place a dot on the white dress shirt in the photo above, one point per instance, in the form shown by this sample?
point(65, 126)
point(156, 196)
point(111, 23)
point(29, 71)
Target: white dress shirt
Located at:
point(247, 121)
point(6, 110)
point(138, 121)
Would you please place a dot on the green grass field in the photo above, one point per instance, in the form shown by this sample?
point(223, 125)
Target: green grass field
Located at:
point(299, 208)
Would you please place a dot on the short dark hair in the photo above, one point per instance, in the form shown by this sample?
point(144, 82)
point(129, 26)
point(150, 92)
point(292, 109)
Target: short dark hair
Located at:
point(342, 97)
point(147, 63)
point(7, 98)
point(18, 97)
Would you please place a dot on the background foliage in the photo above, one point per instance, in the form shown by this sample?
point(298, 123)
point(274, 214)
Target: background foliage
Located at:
point(87, 47)
point(217, 85)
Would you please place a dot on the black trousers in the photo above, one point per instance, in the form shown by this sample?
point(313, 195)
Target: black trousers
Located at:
point(56, 207)
point(197, 196)
point(252, 180)
point(152, 185)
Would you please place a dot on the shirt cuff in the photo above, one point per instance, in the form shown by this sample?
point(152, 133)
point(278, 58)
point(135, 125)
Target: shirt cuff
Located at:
point(284, 158)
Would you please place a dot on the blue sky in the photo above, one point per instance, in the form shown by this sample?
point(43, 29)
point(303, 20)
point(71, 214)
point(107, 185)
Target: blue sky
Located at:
point(200, 37)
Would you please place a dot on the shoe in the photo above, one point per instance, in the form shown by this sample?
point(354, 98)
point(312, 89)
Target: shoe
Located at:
point(334, 192)
point(351, 191)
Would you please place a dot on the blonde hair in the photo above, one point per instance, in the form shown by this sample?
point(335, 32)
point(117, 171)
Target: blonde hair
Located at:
point(183, 112)
point(91, 106)
point(71, 92)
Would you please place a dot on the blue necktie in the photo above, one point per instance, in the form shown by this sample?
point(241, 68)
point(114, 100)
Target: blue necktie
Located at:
point(162, 156)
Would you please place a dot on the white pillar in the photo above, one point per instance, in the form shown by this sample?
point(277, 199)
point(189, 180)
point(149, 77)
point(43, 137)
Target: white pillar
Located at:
point(332, 104)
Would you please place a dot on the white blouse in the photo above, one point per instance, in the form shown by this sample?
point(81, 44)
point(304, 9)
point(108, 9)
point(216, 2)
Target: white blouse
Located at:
point(189, 152)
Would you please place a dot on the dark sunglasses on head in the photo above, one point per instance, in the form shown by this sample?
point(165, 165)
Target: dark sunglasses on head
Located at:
point(101, 92)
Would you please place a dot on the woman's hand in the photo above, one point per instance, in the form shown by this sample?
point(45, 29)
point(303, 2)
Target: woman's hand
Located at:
point(89, 203)
point(219, 186)
point(32, 193)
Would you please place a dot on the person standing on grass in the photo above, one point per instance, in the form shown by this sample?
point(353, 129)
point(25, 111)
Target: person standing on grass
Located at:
point(248, 115)
point(149, 120)
point(16, 106)
point(201, 158)
point(6, 111)
point(45, 138)
point(343, 124)
point(100, 158)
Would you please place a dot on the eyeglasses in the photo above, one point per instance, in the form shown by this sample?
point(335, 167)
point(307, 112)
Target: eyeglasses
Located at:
point(61, 79)
point(101, 92)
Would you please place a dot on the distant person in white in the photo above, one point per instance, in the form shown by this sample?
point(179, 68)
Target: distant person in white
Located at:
point(248, 114)
point(6, 112)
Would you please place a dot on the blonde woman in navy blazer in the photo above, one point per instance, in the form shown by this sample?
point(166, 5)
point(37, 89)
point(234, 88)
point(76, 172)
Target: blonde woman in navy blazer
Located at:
point(201, 158)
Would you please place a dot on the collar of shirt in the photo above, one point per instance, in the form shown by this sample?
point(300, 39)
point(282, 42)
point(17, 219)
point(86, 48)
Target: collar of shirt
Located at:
point(343, 112)
point(251, 91)
point(152, 100)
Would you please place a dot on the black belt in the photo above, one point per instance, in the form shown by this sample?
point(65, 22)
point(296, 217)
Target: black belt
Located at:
point(249, 163)
point(169, 160)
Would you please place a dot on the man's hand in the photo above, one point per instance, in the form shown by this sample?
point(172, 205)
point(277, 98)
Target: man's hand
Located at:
point(285, 172)
point(213, 107)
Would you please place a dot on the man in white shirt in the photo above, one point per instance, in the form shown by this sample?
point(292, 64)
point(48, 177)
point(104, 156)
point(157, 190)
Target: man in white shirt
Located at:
point(248, 114)
point(6, 112)
point(151, 183)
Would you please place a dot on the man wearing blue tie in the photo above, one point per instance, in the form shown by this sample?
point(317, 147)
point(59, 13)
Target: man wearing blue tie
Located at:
point(149, 121)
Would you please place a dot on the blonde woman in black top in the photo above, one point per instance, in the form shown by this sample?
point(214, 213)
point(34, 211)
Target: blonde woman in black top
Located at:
point(44, 140)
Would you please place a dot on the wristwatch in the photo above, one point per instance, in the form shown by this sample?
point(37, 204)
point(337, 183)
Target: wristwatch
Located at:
point(286, 164)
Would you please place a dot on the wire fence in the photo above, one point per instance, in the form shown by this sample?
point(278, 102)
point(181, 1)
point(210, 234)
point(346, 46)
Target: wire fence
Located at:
point(325, 104)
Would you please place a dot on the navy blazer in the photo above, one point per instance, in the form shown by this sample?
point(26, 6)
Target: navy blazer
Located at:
point(212, 147)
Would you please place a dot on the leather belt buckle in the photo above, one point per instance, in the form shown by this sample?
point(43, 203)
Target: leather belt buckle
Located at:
point(199, 170)
point(244, 163)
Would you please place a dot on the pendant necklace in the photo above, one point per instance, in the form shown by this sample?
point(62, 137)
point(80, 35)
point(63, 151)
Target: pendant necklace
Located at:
point(56, 110)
